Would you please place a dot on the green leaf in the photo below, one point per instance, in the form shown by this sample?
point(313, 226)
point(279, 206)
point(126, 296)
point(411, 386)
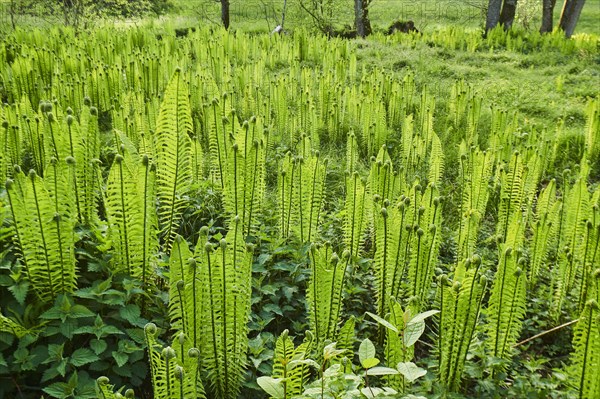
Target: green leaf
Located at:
point(79, 311)
point(19, 291)
point(383, 322)
point(98, 346)
point(413, 332)
point(120, 358)
point(382, 371)
point(272, 386)
point(366, 350)
point(131, 313)
point(83, 356)
point(60, 390)
point(423, 316)
point(368, 363)
point(49, 374)
point(410, 371)
point(2, 361)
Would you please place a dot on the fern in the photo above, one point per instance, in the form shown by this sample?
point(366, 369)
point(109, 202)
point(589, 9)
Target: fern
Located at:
point(511, 193)
point(288, 365)
point(436, 160)
point(460, 303)
point(506, 306)
point(173, 377)
point(43, 223)
point(131, 229)
point(173, 157)
point(585, 361)
point(324, 295)
point(300, 192)
point(226, 282)
point(545, 217)
point(244, 174)
point(572, 233)
point(356, 214)
point(425, 243)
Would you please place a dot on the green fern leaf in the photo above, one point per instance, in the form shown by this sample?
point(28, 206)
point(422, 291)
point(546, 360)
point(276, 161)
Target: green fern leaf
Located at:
point(173, 157)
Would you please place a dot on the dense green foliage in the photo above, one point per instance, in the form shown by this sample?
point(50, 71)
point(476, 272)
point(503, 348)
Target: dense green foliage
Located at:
point(177, 210)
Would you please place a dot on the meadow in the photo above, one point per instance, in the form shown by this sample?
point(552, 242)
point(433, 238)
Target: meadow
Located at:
point(234, 214)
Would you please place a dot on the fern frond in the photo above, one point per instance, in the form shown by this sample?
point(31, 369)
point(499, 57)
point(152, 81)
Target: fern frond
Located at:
point(506, 306)
point(585, 361)
point(173, 156)
point(226, 283)
point(294, 375)
point(436, 160)
point(324, 295)
point(546, 213)
point(126, 216)
point(460, 303)
point(43, 224)
point(172, 377)
point(356, 214)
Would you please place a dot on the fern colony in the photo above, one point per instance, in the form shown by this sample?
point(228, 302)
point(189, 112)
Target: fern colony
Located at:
point(447, 209)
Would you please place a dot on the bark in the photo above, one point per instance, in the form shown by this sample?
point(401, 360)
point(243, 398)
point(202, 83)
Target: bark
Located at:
point(358, 20)
point(547, 16)
point(507, 16)
point(493, 14)
point(225, 13)
point(361, 17)
point(570, 15)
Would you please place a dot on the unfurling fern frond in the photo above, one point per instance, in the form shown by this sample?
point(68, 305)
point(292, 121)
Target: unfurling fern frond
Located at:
point(131, 214)
point(43, 221)
point(506, 307)
point(460, 303)
point(585, 361)
point(546, 213)
point(356, 212)
point(225, 278)
point(244, 174)
point(173, 156)
point(324, 295)
point(436, 160)
point(475, 172)
point(572, 244)
point(384, 183)
point(425, 243)
point(88, 176)
point(288, 365)
point(300, 192)
point(172, 376)
point(511, 193)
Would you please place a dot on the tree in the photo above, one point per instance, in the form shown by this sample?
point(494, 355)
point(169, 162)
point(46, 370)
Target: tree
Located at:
point(493, 14)
point(547, 16)
point(570, 15)
point(361, 17)
point(500, 12)
point(507, 15)
point(225, 13)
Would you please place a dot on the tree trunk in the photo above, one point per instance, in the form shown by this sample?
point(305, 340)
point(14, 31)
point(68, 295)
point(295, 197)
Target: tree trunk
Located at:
point(358, 20)
point(225, 13)
point(361, 17)
point(547, 16)
point(507, 16)
point(570, 15)
point(493, 14)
